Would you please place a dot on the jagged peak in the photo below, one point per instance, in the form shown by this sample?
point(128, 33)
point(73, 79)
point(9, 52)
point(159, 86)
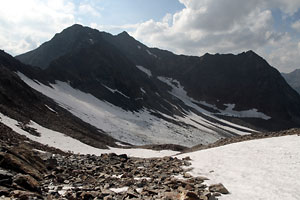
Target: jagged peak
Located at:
point(124, 33)
point(76, 26)
point(251, 53)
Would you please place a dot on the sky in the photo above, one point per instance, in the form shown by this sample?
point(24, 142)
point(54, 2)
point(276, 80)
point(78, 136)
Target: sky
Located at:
point(271, 28)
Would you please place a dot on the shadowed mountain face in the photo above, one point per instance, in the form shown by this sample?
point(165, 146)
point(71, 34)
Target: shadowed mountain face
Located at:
point(293, 79)
point(22, 103)
point(72, 38)
point(93, 61)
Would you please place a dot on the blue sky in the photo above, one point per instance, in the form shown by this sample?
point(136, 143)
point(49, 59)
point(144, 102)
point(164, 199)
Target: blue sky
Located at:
point(119, 12)
point(193, 27)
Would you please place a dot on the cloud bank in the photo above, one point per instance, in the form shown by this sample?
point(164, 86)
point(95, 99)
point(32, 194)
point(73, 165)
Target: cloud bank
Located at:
point(25, 24)
point(226, 26)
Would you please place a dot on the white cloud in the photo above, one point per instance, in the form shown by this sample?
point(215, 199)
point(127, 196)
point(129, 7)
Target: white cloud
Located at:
point(25, 24)
point(289, 7)
point(296, 25)
point(223, 26)
point(199, 29)
point(85, 8)
point(284, 54)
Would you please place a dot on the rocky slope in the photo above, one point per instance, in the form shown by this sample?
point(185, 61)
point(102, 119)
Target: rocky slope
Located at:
point(31, 170)
point(293, 79)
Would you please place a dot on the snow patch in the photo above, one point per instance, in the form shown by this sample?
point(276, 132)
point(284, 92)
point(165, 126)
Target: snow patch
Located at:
point(121, 145)
point(91, 41)
point(115, 90)
point(140, 178)
point(139, 47)
point(115, 176)
point(50, 109)
point(119, 190)
point(151, 54)
point(143, 91)
point(143, 69)
point(40, 151)
point(244, 113)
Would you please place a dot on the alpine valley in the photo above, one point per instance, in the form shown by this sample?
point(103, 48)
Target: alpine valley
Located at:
point(90, 92)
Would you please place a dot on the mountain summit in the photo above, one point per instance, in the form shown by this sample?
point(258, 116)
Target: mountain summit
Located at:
point(73, 37)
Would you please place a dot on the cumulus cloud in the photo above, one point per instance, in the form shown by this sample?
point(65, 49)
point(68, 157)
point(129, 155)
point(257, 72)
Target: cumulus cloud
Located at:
point(86, 8)
point(296, 25)
point(222, 26)
point(214, 26)
point(25, 24)
point(284, 53)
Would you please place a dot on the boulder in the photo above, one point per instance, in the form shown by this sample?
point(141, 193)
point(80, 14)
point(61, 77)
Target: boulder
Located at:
point(4, 191)
point(218, 188)
point(27, 182)
point(187, 195)
point(5, 177)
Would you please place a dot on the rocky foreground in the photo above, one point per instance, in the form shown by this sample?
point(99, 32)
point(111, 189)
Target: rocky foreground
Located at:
point(28, 174)
point(29, 170)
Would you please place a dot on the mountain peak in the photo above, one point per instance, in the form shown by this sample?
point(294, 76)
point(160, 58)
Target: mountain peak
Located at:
point(76, 26)
point(124, 33)
point(251, 53)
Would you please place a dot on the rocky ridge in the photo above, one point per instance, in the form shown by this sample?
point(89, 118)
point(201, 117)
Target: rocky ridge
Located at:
point(253, 136)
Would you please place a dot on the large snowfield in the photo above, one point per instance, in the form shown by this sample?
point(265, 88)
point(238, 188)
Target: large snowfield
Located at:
point(257, 169)
point(66, 143)
point(136, 128)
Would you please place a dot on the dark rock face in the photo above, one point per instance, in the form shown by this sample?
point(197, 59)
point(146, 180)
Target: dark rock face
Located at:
point(105, 67)
point(245, 80)
point(73, 37)
point(89, 61)
point(293, 79)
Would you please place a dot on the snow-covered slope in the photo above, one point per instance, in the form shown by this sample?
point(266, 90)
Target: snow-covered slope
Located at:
point(179, 92)
point(257, 169)
point(66, 143)
point(136, 127)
